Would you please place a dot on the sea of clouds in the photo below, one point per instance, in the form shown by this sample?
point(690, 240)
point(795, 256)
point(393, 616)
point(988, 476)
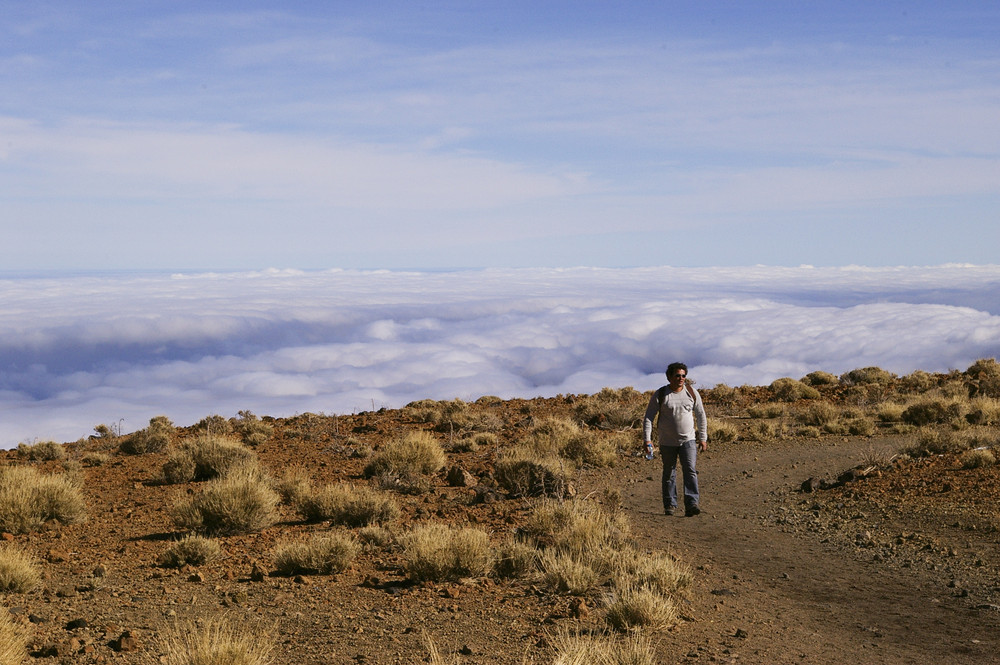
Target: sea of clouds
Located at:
point(77, 351)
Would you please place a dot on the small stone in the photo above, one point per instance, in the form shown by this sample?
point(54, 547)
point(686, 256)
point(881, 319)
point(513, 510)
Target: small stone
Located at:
point(76, 623)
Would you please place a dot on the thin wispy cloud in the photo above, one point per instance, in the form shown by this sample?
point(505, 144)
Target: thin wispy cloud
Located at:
point(425, 136)
point(80, 351)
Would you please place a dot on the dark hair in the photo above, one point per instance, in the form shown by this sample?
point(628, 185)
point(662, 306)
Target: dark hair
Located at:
point(673, 367)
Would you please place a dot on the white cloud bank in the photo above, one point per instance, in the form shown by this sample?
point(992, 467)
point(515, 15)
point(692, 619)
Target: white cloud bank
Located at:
point(78, 351)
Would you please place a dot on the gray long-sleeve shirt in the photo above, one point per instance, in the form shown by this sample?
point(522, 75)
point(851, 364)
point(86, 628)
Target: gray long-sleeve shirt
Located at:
point(678, 416)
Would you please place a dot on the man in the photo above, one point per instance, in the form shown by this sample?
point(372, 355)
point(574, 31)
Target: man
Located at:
point(683, 430)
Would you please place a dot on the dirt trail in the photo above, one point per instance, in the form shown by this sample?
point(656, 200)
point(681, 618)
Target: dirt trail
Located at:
point(764, 593)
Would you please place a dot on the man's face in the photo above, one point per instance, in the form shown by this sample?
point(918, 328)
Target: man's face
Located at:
point(677, 378)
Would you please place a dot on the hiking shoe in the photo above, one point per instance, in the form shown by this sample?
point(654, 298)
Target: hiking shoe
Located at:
point(668, 511)
point(692, 510)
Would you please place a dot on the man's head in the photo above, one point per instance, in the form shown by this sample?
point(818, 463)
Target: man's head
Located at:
point(677, 373)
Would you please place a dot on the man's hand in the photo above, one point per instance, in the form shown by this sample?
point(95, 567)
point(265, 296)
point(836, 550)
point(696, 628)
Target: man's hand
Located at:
point(703, 446)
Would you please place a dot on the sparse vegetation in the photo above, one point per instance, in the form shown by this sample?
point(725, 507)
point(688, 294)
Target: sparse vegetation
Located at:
point(28, 499)
point(41, 451)
point(439, 552)
point(241, 501)
point(221, 640)
point(13, 640)
point(789, 390)
point(152, 439)
point(613, 409)
point(633, 607)
point(205, 457)
point(414, 453)
point(18, 571)
point(252, 430)
point(191, 550)
point(348, 505)
point(321, 554)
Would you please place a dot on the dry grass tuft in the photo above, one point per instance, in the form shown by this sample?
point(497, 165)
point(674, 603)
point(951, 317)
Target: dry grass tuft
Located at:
point(633, 607)
point(241, 501)
point(414, 453)
point(515, 559)
point(153, 439)
point(190, 550)
point(217, 641)
point(597, 649)
point(612, 408)
point(205, 457)
point(29, 498)
point(41, 451)
point(568, 573)
point(575, 527)
point(13, 640)
point(348, 505)
point(322, 554)
point(438, 552)
point(18, 571)
point(979, 459)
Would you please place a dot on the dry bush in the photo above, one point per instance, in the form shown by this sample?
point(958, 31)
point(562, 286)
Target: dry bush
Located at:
point(867, 375)
point(722, 394)
point(348, 505)
point(766, 411)
point(820, 378)
point(568, 573)
point(515, 559)
point(241, 501)
point(321, 554)
point(95, 459)
point(215, 424)
point(29, 498)
point(818, 414)
point(522, 472)
point(205, 457)
point(375, 535)
point(983, 378)
point(722, 431)
point(763, 430)
point(472, 443)
point(659, 571)
point(293, 486)
point(983, 411)
point(152, 439)
point(809, 432)
point(190, 550)
point(633, 607)
point(978, 459)
point(933, 442)
point(612, 408)
point(18, 571)
point(787, 389)
point(596, 649)
point(860, 426)
point(414, 453)
point(576, 527)
point(41, 451)
point(594, 449)
point(933, 410)
point(917, 381)
point(13, 640)
point(438, 552)
point(221, 640)
point(890, 412)
point(252, 430)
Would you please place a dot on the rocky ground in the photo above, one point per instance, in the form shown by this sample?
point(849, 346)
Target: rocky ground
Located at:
point(896, 563)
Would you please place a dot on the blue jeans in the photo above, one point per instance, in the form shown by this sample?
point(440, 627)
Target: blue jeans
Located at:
point(688, 454)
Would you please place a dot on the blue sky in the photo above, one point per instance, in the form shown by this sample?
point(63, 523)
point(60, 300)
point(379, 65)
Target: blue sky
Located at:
point(231, 136)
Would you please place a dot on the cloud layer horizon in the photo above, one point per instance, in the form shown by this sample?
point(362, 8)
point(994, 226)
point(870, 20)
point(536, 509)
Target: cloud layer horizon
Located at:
point(77, 351)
